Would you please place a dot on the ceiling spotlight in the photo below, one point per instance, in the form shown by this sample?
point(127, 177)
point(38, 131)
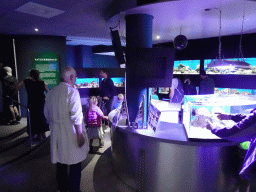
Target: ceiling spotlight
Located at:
point(157, 37)
point(36, 29)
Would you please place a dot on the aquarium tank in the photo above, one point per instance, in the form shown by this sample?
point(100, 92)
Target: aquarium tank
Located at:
point(238, 66)
point(186, 67)
point(234, 91)
point(198, 109)
point(87, 82)
point(118, 81)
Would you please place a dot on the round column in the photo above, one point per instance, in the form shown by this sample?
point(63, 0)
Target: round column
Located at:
point(138, 35)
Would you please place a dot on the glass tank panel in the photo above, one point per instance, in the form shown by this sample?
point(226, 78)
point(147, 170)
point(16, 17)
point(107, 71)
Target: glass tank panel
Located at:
point(186, 67)
point(198, 109)
point(234, 91)
point(87, 82)
point(118, 81)
point(238, 66)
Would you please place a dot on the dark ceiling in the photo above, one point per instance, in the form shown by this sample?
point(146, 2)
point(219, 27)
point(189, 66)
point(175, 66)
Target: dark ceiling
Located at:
point(87, 22)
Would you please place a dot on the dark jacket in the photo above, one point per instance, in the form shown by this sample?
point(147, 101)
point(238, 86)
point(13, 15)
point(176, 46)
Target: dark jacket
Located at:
point(244, 130)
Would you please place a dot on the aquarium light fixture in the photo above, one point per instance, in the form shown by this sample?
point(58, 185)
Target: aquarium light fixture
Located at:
point(221, 63)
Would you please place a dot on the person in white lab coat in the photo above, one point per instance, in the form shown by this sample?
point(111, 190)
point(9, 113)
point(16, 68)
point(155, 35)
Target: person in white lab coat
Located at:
point(69, 142)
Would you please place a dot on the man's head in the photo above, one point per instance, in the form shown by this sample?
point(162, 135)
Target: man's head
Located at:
point(103, 73)
point(8, 70)
point(68, 75)
point(35, 74)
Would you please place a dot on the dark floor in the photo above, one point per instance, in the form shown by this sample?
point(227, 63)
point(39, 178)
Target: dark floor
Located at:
point(30, 169)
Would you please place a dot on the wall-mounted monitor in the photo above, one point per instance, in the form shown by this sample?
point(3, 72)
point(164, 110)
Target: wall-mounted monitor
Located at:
point(87, 82)
point(186, 67)
point(237, 66)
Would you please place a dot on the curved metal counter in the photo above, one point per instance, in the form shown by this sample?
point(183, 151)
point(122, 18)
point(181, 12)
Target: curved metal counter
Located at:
point(152, 164)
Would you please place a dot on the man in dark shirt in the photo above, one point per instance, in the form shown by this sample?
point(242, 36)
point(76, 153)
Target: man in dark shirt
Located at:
point(206, 85)
point(107, 90)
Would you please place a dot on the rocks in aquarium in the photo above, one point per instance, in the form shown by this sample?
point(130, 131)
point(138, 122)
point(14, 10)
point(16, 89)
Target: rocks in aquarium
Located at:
point(203, 115)
point(182, 69)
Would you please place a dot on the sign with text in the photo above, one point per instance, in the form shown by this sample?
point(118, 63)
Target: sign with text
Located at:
point(48, 65)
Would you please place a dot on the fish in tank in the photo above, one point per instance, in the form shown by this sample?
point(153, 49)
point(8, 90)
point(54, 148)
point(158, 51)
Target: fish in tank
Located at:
point(87, 83)
point(186, 67)
point(239, 66)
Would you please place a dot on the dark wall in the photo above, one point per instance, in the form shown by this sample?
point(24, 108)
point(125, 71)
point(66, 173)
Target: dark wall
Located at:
point(25, 46)
point(209, 49)
point(81, 56)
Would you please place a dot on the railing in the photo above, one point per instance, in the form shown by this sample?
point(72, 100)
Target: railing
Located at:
point(28, 118)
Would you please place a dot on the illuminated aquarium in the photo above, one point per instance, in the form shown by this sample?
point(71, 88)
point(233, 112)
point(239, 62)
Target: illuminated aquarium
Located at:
point(199, 109)
point(118, 81)
point(238, 66)
point(186, 67)
point(234, 91)
point(87, 83)
point(164, 90)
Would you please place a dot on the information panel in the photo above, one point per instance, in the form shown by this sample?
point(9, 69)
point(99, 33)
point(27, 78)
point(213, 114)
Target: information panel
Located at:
point(48, 65)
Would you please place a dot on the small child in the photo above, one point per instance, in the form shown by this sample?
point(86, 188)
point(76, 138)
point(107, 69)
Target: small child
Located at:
point(119, 101)
point(93, 119)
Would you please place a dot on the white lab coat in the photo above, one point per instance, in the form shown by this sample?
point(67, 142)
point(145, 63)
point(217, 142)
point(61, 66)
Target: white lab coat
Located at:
point(63, 110)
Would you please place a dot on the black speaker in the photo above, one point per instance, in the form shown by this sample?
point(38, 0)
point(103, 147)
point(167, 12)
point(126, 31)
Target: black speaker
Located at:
point(118, 49)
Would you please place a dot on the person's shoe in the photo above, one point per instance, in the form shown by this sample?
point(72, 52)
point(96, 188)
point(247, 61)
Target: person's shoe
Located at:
point(18, 118)
point(14, 122)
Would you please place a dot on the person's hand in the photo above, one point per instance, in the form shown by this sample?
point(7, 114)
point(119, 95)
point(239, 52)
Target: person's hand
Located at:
point(224, 116)
point(80, 140)
point(209, 125)
point(105, 98)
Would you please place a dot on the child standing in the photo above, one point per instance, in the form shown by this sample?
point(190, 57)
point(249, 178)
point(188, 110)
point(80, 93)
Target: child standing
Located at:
point(93, 119)
point(120, 99)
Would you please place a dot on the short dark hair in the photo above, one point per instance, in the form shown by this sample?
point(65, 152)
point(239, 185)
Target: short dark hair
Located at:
point(35, 74)
point(104, 70)
point(203, 73)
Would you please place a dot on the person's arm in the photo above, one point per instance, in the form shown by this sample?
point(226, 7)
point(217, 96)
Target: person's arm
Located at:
point(46, 88)
point(76, 115)
point(79, 134)
point(20, 85)
point(235, 118)
point(244, 130)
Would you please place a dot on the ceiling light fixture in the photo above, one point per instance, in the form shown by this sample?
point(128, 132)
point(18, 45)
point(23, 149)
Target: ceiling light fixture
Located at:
point(36, 29)
point(157, 37)
point(229, 64)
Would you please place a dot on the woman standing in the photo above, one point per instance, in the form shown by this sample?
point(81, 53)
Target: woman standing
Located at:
point(35, 88)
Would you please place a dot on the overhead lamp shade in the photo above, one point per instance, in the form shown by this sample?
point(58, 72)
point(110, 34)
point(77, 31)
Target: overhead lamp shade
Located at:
point(180, 42)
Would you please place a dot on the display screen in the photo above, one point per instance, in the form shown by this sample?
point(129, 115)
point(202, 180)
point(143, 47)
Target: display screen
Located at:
point(199, 109)
point(87, 82)
point(186, 67)
point(238, 66)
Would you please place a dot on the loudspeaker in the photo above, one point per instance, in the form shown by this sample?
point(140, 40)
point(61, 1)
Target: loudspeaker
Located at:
point(118, 49)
